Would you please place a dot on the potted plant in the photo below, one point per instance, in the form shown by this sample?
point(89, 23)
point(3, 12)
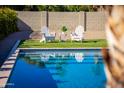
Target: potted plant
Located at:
point(63, 36)
point(64, 29)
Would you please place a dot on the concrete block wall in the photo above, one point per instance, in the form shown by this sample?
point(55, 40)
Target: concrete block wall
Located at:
point(69, 19)
point(94, 22)
point(95, 25)
point(95, 35)
point(29, 21)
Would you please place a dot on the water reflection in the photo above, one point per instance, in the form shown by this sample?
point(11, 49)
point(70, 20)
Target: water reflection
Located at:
point(62, 57)
point(32, 62)
point(59, 60)
point(44, 58)
point(96, 56)
point(66, 67)
point(97, 68)
point(79, 57)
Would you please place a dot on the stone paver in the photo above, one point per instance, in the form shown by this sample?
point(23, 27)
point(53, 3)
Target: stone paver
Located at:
point(6, 68)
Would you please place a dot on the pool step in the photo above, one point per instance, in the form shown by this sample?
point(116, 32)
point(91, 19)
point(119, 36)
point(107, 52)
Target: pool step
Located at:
point(63, 58)
point(54, 56)
point(61, 53)
point(67, 61)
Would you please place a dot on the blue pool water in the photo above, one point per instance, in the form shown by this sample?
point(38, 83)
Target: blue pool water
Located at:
point(81, 68)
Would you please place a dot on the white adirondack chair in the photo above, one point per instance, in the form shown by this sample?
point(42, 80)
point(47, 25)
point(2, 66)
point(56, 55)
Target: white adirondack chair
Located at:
point(77, 35)
point(46, 34)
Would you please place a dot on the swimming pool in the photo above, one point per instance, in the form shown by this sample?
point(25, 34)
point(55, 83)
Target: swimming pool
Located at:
point(58, 68)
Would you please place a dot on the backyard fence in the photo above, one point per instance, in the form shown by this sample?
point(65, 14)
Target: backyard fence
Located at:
point(93, 22)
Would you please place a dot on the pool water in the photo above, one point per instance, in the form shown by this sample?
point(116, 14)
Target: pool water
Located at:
point(81, 68)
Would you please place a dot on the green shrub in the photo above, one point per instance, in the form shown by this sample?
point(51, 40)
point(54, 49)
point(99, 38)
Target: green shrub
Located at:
point(8, 19)
point(64, 29)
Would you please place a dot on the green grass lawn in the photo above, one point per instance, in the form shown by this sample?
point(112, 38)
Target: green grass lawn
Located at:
point(67, 44)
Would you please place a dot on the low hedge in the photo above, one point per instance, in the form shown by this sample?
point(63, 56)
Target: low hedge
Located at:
point(8, 19)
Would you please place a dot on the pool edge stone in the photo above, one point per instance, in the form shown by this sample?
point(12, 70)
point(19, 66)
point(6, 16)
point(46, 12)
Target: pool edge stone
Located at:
point(5, 69)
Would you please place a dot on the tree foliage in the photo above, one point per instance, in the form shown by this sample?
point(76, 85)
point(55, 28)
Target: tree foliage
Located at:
point(8, 19)
point(69, 8)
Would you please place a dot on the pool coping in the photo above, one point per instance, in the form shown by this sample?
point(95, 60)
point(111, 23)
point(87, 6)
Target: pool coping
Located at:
point(62, 48)
point(8, 64)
